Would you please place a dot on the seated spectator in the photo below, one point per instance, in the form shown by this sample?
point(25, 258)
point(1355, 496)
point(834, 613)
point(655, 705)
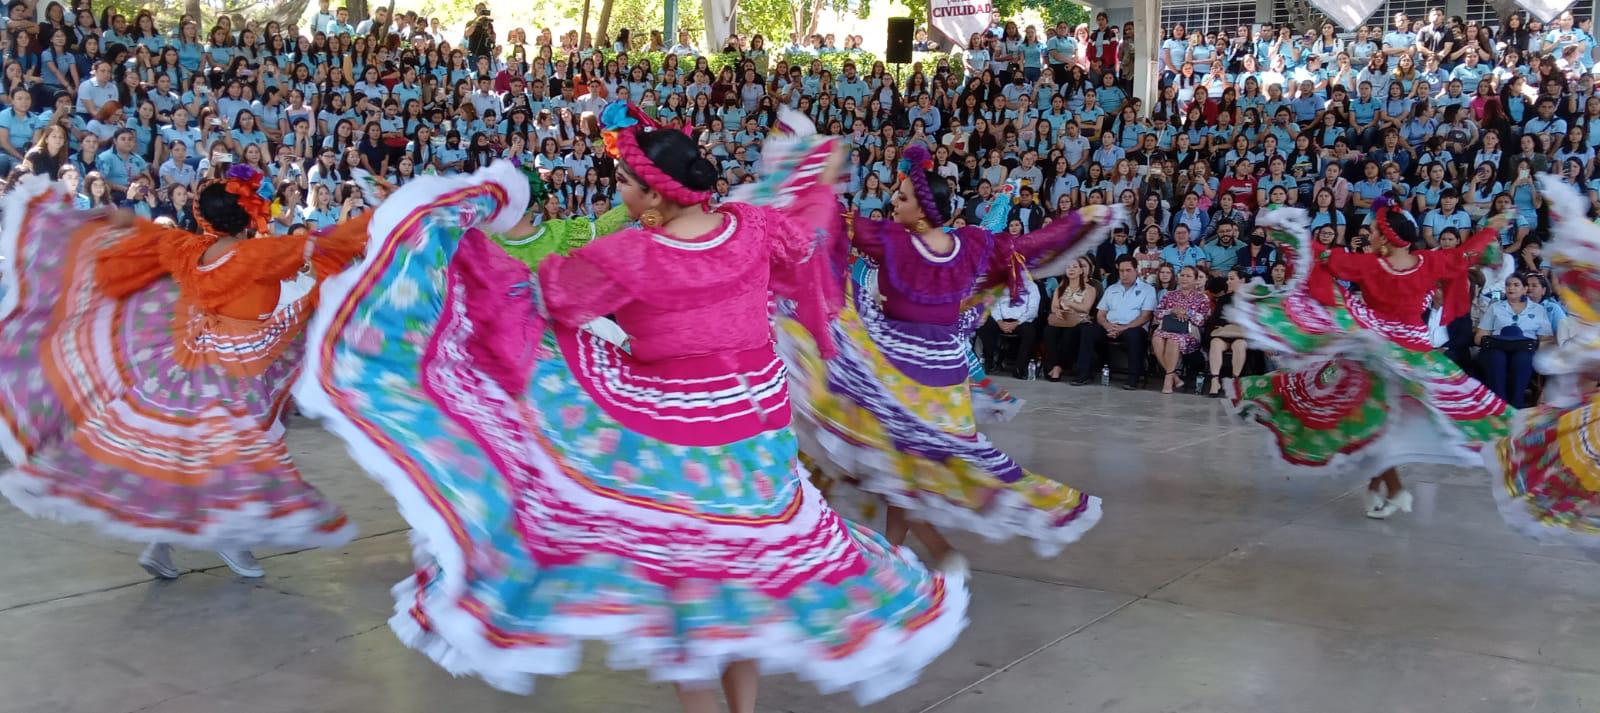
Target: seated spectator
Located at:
point(1508, 335)
point(1226, 338)
point(1071, 312)
point(1179, 315)
point(1120, 321)
point(1014, 318)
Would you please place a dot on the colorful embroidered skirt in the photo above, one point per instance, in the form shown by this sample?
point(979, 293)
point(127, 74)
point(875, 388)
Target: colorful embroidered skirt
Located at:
point(128, 414)
point(1359, 393)
point(544, 512)
point(1546, 474)
point(894, 412)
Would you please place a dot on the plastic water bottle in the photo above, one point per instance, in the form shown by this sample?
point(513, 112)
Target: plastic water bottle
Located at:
point(1033, 370)
point(1105, 375)
point(1200, 384)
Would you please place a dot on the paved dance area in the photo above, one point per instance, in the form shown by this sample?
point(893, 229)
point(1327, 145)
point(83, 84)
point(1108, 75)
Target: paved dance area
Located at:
point(1213, 584)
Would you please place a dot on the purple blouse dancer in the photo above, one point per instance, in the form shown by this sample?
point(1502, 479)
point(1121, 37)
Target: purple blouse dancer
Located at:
point(892, 411)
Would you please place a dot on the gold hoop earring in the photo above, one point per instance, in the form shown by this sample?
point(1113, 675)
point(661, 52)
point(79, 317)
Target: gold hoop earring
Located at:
point(651, 218)
point(923, 226)
point(1383, 250)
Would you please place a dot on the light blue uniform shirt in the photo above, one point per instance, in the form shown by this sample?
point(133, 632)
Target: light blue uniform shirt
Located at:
point(1123, 304)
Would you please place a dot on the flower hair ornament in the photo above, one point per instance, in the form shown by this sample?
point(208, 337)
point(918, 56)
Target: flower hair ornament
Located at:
point(915, 164)
point(244, 182)
point(620, 126)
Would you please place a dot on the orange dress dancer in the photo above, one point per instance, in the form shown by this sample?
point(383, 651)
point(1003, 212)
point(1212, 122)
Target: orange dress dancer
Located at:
point(145, 371)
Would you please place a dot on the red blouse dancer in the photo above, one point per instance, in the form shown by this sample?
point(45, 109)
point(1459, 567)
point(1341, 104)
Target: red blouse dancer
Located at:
point(1363, 389)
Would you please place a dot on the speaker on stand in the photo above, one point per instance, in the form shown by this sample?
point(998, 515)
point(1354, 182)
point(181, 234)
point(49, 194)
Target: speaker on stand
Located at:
point(902, 31)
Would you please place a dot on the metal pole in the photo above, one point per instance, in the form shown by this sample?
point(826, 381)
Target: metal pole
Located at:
point(669, 33)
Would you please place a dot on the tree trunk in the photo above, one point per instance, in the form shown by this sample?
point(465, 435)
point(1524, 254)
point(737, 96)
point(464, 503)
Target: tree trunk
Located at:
point(192, 9)
point(605, 19)
point(583, 26)
point(358, 9)
point(816, 17)
point(380, 32)
point(288, 11)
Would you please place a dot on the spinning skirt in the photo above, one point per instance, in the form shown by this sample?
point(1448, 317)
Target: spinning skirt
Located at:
point(561, 491)
point(894, 412)
point(132, 415)
point(1359, 393)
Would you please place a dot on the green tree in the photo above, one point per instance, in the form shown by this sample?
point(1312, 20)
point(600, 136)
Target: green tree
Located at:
point(638, 16)
point(778, 19)
point(1066, 11)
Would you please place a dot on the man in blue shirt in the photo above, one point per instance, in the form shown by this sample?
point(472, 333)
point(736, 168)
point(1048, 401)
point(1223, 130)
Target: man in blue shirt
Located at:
point(1124, 310)
point(851, 86)
point(1223, 253)
point(341, 23)
point(1547, 126)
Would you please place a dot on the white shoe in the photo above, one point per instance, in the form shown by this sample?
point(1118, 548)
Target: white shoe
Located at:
point(157, 560)
point(242, 563)
point(954, 565)
point(1375, 501)
point(1401, 502)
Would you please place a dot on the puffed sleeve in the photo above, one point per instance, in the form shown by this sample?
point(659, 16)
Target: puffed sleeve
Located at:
point(807, 265)
point(135, 261)
point(335, 248)
point(576, 290)
point(864, 234)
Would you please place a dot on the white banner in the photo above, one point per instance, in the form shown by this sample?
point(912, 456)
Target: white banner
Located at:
point(958, 19)
point(719, 22)
point(1545, 10)
point(1350, 14)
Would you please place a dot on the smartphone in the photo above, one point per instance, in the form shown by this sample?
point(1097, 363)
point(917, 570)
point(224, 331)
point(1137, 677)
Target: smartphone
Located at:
point(227, 158)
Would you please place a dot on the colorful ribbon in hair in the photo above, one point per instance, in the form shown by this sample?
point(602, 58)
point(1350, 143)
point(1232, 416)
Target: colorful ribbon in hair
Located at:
point(915, 164)
point(1381, 207)
point(620, 126)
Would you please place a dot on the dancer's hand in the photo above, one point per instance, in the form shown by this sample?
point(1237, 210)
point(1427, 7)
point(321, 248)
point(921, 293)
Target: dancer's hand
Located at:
point(1499, 221)
point(1095, 213)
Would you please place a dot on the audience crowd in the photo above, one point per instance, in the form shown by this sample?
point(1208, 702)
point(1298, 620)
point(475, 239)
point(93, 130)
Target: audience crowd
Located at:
point(1452, 119)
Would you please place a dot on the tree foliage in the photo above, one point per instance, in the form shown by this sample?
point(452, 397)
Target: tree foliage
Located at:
point(640, 17)
point(1055, 11)
point(167, 14)
point(778, 19)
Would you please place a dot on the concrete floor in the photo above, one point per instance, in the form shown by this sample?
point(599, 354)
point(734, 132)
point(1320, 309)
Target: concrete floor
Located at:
point(1214, 584)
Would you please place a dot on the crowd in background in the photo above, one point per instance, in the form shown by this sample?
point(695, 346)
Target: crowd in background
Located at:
point(1452, 119)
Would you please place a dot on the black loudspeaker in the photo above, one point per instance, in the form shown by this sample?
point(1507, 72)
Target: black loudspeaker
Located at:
point(901, 30)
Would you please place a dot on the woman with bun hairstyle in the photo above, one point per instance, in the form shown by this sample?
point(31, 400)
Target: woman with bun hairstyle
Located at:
point(565, 489)
point(893, 410)
point(1362, 389)
point(145, 372)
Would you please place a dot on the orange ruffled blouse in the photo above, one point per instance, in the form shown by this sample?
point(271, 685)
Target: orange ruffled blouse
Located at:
point(228, 314)
point(243, 284)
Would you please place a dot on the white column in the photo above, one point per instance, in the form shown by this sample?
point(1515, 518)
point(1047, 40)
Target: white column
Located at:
point(1147, 41)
